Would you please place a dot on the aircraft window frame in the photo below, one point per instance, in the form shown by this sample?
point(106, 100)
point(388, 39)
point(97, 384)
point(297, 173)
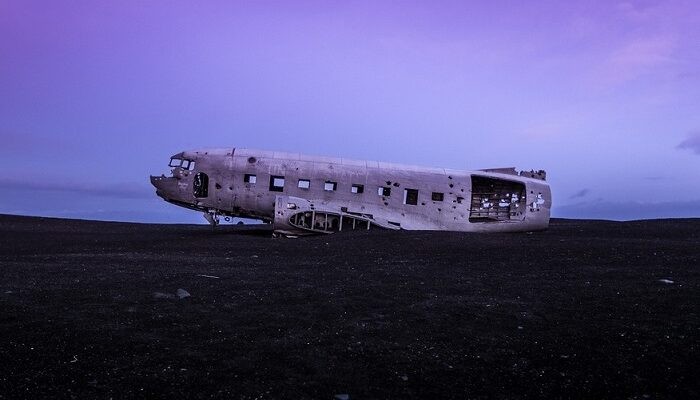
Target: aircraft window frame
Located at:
point(183, 163)
point(304, 184)
point(357, 188)
point(410, 197)
point(250, 178)
point(276, 183)
point(330, 186)
point(384, 191)
point(438, 196)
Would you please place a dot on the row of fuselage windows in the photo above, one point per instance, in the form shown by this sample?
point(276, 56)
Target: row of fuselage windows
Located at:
point(277, 185)
point(181, 163)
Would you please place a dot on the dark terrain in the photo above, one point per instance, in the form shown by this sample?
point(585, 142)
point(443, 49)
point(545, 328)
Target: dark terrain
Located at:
point(587, 309)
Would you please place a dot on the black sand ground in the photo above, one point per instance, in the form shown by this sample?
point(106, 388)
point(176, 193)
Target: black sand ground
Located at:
point(587, 309)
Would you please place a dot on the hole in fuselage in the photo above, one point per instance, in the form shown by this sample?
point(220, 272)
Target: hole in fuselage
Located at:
point(495, 199)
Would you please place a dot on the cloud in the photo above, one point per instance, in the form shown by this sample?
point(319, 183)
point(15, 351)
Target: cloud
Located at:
point(637, 11)
point(114, 190)
point(580, 193)
point(20, 142)
point(624, 211)
point(687, 75)
point(639, 57)
point(691, 143)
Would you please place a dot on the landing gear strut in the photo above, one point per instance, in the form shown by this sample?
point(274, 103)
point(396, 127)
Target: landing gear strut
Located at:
point(212, 217)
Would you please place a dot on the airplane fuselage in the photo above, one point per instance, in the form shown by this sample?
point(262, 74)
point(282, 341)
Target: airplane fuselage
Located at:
point(310, 194)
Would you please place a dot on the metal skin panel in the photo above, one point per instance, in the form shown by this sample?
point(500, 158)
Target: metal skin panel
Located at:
point(514, 202)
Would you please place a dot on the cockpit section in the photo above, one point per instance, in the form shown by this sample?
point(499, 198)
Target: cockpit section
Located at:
point(195, 181)
point(180, 186)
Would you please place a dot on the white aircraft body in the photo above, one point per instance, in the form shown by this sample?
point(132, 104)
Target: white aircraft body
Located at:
point(302, 194)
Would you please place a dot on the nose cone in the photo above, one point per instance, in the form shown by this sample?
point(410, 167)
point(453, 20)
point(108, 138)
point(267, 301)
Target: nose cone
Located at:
point(155, 181)
point(165, 186)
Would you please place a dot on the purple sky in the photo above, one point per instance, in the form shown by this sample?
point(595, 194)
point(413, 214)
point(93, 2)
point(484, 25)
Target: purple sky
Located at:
point(97, 95)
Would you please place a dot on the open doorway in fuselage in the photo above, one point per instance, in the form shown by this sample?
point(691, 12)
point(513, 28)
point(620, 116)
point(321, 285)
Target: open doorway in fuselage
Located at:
point(200, 185)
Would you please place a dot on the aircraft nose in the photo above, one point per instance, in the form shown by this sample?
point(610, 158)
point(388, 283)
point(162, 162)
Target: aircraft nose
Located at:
point(159, 182)
point(155, 180)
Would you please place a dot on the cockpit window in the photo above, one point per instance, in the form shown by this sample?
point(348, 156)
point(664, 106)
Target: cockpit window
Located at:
point(181, 163)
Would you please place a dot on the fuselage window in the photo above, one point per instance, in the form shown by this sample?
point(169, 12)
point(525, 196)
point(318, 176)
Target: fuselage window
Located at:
point(410, 196)
point(357, 188)
point(276, 183)
point(384, 191)
point(249, 178)
point(437, 196)
point(304, 183)
point(330, 186)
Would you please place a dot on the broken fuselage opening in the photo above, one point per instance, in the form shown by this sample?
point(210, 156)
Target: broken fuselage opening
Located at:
point(496, 200)
point(326, 222)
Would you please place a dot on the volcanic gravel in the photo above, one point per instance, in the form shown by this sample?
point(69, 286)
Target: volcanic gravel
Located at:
point(586, 309)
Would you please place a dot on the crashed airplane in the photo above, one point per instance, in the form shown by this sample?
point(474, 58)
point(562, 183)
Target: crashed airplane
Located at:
point(302, 194)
